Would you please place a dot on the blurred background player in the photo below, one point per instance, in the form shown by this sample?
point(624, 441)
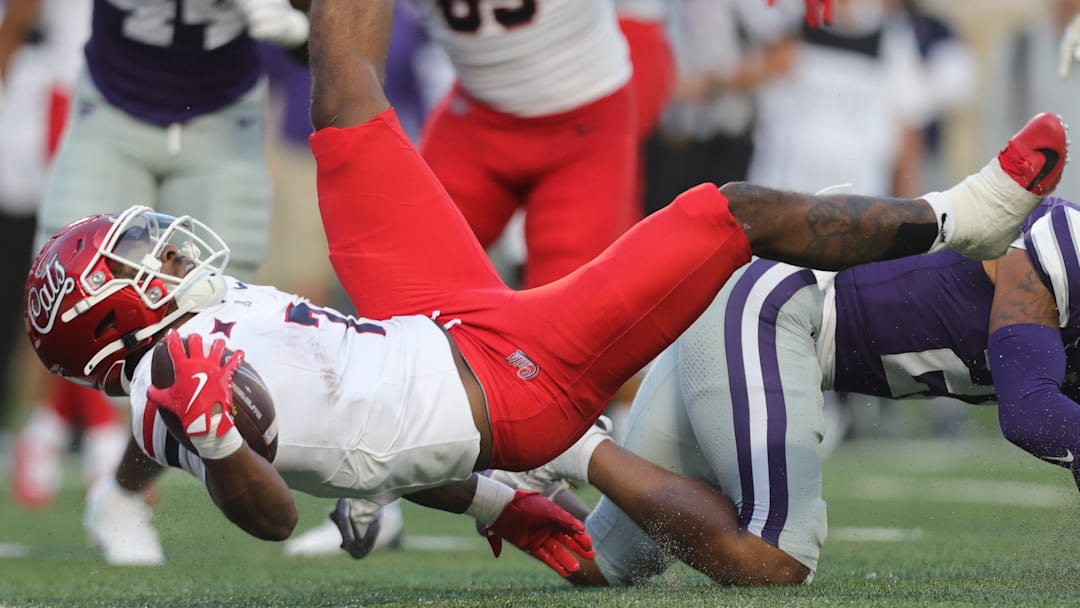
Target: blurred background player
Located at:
point(169, 112)
point(729, 422)
point(857, 85)
point(553, 133)
point(724, 49)
point(1025, 72)
point(40, 55)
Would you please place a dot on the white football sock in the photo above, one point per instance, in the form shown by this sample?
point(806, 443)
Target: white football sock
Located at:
point(980, 216)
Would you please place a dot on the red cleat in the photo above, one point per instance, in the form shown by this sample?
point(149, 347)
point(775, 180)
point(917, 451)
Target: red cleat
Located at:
point(1036, 155)
point(988, 207)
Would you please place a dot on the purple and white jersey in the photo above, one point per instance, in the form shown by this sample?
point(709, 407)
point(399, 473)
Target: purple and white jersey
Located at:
point(168, 61)
point(919, 325)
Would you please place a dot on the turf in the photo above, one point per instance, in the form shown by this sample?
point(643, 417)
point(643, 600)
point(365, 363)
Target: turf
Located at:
point(912, 523)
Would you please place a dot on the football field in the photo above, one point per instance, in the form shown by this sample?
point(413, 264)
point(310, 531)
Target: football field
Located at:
point(912, 523)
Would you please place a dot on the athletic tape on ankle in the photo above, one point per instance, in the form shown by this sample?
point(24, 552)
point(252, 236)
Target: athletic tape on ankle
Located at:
point(490, 500)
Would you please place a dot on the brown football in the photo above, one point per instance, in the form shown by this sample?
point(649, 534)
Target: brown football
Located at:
point(252, 407)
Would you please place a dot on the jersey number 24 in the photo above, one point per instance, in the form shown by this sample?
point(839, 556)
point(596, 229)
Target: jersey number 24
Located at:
point(154, 22)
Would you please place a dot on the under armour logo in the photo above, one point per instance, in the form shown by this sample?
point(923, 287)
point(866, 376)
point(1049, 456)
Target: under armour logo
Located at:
point(526, 369)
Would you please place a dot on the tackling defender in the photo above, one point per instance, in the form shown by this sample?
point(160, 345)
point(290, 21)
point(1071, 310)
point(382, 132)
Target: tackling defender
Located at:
point(457, 378)
point(723, 439)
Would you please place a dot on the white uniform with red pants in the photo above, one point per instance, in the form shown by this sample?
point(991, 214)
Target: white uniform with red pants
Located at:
point(542, 119)
point(643, 24)
point(38, 84)
point(32, 115)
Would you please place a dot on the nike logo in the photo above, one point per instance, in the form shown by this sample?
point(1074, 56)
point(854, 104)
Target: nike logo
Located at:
point(1051, 157)
point(197, 426)
point(1067, 458)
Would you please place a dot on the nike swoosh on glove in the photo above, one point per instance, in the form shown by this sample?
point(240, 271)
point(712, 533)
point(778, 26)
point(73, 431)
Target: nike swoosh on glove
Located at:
point(275, 21)
point(201, 381)
point(542, 529)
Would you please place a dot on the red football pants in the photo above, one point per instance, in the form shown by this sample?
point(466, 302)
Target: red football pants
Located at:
point(654, 71)
point(574, 173)
point(549, 358)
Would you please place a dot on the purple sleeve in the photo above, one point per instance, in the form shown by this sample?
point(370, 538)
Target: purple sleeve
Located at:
point(1028, 364)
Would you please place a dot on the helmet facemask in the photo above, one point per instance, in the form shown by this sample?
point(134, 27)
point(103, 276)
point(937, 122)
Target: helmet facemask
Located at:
point(111, 283)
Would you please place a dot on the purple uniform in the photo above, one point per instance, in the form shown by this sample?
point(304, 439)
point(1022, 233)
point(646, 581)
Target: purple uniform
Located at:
point(736, 401)
point(169, 61)
point(919, 326)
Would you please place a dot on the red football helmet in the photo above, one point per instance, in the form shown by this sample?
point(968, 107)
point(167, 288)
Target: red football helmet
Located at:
point(97, 292)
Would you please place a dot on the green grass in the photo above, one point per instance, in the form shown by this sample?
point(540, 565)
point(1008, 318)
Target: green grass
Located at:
point(980, 524)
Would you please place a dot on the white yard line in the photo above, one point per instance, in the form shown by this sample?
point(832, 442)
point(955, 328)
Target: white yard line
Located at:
point(421, 542)
point(971, 491)
point(875, 535)
point(13, 551)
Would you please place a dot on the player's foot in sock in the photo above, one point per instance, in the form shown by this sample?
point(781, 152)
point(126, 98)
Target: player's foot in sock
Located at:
point(988, 207)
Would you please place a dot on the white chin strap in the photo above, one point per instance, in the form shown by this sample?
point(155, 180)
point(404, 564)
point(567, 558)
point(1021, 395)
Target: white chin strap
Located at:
point(200, 294)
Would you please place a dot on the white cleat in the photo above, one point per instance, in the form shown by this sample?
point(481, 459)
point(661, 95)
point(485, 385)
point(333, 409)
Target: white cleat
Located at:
point(322, 540)
point(102, 448)
point(118, 523)
point(569, 469)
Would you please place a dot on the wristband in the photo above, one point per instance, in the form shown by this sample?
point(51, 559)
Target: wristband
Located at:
point(490, 499)
point(212, 447)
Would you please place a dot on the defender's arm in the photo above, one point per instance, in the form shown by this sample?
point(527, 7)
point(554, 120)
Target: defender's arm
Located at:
point(1027, 358)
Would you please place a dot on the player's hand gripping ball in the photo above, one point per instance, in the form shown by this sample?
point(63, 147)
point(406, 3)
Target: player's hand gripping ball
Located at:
point(251, 410)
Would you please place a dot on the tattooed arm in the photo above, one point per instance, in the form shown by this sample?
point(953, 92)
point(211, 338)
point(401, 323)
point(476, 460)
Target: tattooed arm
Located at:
point(1020, 295)
point(1028, 362)
point(830, 232)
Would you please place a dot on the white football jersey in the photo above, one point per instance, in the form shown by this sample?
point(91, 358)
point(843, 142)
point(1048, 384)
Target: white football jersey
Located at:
point(642, 10)
point(532, 57)
point(40, 67)
point(368, 409)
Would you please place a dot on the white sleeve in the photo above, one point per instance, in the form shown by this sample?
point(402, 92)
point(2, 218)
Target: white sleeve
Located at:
point(150, 432)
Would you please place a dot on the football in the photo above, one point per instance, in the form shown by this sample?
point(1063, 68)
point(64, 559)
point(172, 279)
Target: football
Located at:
point(252, 408)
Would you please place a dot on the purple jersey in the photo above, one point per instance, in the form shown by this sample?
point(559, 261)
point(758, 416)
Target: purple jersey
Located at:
point(919, 325)
point(168, 61)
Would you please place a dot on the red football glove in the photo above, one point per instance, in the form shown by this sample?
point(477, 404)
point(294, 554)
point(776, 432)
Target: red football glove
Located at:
point(818, 12)
point(540, 528)
point(199, 382)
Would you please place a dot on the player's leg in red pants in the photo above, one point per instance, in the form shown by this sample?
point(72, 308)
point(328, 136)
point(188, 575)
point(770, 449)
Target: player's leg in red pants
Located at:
point(548, 358)
point(572, 172)
point(463, 144)
point(654, 71)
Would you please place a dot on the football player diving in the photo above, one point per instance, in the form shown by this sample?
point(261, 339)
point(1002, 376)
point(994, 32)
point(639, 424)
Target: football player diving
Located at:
point(447, 371)
point(720, 465)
